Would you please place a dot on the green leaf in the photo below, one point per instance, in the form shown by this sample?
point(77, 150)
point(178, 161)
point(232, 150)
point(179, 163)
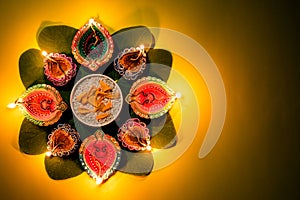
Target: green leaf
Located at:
point(160, 63)
point(65, 94)
point(163, 132)
point(134, 115)
point(32, 138)
point(137, 163)
point(125, 86)
point(66, 117)
point(83, 130)
point(56, 38)
point(65, 91)
point(59, 168)
point(133, 37)
point(160, 56)
point(111, 129)
point(107, 27)
point(44, 24)
point(82, 72)
point(111, 72)
point(31, 67)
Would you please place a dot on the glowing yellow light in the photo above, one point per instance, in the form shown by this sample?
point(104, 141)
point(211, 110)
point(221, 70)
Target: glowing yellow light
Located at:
point(91, 21)
point(44, 53)
point(98, 180)
point(48, 153)
point(178, 95)
point(142, 46)
point(149, 148)
point(11, 105)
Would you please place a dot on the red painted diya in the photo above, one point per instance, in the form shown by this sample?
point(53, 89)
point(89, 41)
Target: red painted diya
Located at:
point(42, 104)
point(100, 156)
point(130, 63)
point(92, 45)
point(150, 97)
point(59, 68)
point(134, 135)
point(63, 140)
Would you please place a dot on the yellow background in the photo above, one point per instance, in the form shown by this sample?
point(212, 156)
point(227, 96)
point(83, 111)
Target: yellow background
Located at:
point(254, 45)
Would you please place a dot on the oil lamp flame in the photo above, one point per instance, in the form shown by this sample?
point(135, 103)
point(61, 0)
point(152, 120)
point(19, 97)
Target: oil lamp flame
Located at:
point(11, 105)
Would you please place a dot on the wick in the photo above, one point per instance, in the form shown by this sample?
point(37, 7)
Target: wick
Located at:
point(140, 53)
point(44, 53)
point(91, 23)
point(15, 104)
point(49, 153)
point(52, 150)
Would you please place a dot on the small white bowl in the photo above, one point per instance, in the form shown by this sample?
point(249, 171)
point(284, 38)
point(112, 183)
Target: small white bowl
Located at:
point(84, 85)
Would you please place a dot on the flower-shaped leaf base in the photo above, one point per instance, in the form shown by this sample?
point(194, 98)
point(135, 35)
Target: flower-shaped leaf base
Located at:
point(58, 39)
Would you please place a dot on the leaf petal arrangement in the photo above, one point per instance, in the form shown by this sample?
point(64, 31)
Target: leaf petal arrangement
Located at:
point(58, 39)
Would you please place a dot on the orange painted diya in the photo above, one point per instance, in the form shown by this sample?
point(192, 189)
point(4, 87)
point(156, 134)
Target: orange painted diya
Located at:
point(150, 97)
point(42, 104)
point(100, 155)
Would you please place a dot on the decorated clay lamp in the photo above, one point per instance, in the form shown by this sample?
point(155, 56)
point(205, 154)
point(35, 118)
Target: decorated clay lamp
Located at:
point(134, 135)
point(92, 45)
point(62, 141)
point(41, 104)
point(130, 63)
point(100, 156)
point(150, 97)
point(59, 68)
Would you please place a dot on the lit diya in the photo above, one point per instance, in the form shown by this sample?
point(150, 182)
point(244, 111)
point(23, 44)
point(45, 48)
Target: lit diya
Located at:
point(100, 155)
point(59, 68)
point(134, 135)
point(150, 97)
point(130, 63)
point(92, 45)
point(96, 100)
point(62, 141)
point(41, 104)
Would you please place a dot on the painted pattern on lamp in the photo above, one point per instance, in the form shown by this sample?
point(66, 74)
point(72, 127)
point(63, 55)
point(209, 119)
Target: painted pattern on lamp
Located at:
point(41, 104)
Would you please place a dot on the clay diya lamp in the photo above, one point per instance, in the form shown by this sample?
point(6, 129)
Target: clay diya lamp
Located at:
point(100, 156)
point(150, 97)
point(131, 62)
point(92, 46)
point(62, 141)
point(134, 135)
point(41, 104)
point(59, 68)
